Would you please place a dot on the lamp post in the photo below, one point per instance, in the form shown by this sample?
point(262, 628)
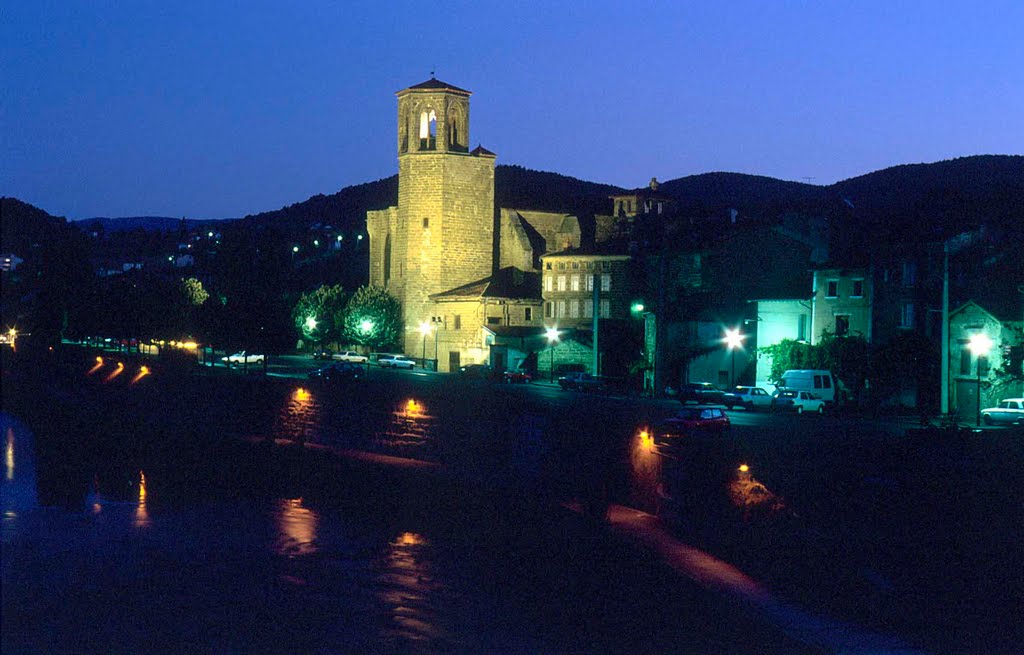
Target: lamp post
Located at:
point(437, 321)
point(979, 344)
point(425, 328)
point(733, 340)
point(552, 336)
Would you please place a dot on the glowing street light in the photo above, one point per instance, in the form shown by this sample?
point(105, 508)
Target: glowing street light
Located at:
point(366, 326)
point(425, 328)
point(979, 344)
point(552, 337)
point(733, 340)
point(310, 323)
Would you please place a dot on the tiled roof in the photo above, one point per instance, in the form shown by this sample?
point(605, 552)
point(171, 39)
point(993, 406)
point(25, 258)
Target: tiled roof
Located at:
point(481, 151)
point(509, 282)
point(434, 84)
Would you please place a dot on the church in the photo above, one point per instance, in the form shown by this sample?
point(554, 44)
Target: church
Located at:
point(482, 284)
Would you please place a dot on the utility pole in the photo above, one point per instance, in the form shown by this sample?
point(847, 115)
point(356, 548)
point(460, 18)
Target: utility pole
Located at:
point(944, 391)
point(597, 311)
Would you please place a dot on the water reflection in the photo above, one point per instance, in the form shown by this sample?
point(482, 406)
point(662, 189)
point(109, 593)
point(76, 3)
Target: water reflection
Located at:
point(141, 513)
point(407, 586)
point(297, 528)
point(9, 454)
point(410, 424)
point(95, 367)
point(299, 418)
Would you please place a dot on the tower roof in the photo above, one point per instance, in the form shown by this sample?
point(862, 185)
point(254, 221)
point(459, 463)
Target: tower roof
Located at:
point(434, 84)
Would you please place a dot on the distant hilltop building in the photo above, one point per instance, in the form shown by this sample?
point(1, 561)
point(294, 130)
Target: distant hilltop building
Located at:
point(486, 282)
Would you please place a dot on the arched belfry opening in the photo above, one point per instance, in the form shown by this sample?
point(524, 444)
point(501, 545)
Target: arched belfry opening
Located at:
point(428, 130)
point(458, 130)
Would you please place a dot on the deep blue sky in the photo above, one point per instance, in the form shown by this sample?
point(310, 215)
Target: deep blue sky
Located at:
point(219, 109)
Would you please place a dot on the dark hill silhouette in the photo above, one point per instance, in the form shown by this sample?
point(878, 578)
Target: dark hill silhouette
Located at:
point(753, 195)
point(23, 225)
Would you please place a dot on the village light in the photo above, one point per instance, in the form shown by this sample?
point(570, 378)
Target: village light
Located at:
point(310, 323)
point(979, 344)
point(733, 340)
point(425, 328)
point(366, 326)
point(552, 337)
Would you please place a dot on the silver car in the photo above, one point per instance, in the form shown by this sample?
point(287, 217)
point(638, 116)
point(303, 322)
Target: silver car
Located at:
point(1007, 412)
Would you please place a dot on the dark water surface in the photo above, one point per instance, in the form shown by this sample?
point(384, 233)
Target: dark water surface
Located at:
point(136, 521)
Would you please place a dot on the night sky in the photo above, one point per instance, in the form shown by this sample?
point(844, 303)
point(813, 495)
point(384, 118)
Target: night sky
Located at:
point(219, 109)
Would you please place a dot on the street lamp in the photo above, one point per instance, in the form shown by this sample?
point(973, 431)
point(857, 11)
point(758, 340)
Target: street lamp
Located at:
point(979, 344)
point(733, 340)
point(425, 328)
point(552, 336)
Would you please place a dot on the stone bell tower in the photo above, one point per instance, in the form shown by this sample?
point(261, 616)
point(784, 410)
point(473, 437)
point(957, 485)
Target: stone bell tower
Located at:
point(441, 234)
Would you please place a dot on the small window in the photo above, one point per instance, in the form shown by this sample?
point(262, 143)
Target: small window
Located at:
point(606, 309)
point(606, 283)
point(826, 381)
point(817, 381)
point(982, 365)
point(588, 308)
point(549, 310)
point(575, 283)
point(528, 314)
point(842, 325)
point(549, 283)
point(547, 265)
point(858, 289)
point(909, 273)
point(561, 266)
point(494, 320)
point(832, 289)
point(575, 265)
point(801, 327)
point(561, 309)
point(458, 322)
point(965, 362)
point(574, 308)
point(606, 266)
point(426, 223)
point(561, 283)
point(590, 283)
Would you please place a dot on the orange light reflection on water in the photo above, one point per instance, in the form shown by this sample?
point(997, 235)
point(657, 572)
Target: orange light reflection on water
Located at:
point(9, 452)
point(117, 371)
point(297, 526)
point(95, 367)
point(141, 513)
point(143, 372)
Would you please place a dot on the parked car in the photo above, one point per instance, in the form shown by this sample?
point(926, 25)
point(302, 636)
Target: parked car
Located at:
point(322, 354)
point(515, 377)
point(579, 381)
point(702, 393)
point(395, 361)
point(1008, 412)
point(242, 357)
point(789, 400)
point(691, 421)
point(481, 371)
point(819, 382)
point(749, 398)
point(337, 372)
point(350, 356)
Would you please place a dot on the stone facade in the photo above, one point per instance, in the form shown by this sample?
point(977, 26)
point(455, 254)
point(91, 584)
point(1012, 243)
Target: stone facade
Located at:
point(568, 288)
point(841, 303)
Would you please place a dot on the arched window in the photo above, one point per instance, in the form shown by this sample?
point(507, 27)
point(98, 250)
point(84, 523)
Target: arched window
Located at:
point(428, 130)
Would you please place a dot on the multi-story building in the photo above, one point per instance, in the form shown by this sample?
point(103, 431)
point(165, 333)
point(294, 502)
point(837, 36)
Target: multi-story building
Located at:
point(841, 304)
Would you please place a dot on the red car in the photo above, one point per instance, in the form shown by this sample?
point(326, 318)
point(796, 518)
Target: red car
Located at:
point(695, 421)
point(515, 377)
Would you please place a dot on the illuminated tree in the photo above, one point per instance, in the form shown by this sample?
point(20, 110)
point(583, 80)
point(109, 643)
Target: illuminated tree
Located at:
point(316, 313)
point(193, 291)
point(372, 318)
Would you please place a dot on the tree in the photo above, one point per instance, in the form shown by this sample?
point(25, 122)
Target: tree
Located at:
point(372, 318)
point(193, 291)
point(316, 313)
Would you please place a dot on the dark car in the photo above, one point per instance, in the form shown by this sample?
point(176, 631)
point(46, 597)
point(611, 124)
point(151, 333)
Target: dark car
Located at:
point(580, 381)
point(477, 372)
point(691, 421)
point(338, 372)
point(322, 354)
point(703, 393)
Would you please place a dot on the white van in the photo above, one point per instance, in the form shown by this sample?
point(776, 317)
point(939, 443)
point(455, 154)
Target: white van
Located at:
point(819, 382)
